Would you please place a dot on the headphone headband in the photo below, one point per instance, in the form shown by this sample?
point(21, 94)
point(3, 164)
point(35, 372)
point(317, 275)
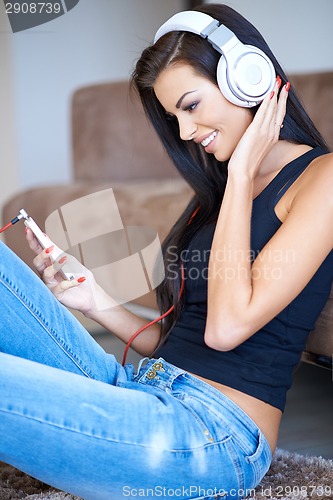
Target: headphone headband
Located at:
point(188, 20)
point(245, 74)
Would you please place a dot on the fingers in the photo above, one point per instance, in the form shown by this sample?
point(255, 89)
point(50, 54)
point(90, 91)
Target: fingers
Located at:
point(47, 267)
point(32, 241)
point(50, 272)
point(62, 286)
point(42, 261)
point(281, 106)
point(264, 115)
point(274, 110)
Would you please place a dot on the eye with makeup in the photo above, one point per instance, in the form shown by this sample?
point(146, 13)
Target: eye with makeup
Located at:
point(191, 107)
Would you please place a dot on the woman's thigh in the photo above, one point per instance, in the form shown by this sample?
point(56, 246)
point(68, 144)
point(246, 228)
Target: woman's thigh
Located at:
point(35, 326)
point(100, 441)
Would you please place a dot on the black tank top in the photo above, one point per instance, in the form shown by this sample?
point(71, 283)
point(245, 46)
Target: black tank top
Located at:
point(263, 365)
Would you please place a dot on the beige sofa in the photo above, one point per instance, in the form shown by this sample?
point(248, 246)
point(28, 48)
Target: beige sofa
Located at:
point(114, 146)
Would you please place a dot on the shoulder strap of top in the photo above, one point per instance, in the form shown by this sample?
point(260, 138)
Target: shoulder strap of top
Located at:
point(296, 168)
point(289, 173)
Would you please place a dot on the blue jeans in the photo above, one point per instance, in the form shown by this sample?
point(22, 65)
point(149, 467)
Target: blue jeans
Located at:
point(73, 417)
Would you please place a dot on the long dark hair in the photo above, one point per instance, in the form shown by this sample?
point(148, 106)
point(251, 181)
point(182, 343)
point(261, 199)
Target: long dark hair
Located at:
point(206, 175)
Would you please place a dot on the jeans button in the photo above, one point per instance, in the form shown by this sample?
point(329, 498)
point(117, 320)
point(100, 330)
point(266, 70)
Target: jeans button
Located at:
point(158, 366)
point(151, 374)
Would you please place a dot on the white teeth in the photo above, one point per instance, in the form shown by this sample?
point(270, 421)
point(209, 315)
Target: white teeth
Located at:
point(209, 139)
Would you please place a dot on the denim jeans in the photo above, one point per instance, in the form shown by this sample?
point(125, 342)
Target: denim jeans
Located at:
point(73, 417)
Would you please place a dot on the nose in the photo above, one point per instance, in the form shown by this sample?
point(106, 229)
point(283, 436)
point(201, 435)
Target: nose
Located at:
point(187, 128)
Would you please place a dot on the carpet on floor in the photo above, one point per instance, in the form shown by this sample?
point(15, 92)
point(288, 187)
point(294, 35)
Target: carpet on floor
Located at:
point(291, 476)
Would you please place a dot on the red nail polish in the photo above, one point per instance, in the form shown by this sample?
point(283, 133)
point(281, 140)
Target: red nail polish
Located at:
point(278, 81)
point(49, 250)
point(81, 280)
point(62, 260)
point(287, 86)
point(272, 94)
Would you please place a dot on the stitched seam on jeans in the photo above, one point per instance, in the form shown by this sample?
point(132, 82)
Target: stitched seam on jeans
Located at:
point(29, 307)
point(237, 464)
point(185, 400)
point(106, 438)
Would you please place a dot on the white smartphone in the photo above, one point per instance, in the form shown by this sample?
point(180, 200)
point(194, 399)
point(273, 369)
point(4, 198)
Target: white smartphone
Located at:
point(45, 242)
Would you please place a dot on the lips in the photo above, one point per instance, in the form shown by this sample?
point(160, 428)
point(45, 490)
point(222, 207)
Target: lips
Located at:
point(209, 139)
point(206, 139)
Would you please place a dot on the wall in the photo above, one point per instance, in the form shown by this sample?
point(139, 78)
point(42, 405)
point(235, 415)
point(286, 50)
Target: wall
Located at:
point(40, 68)
point(9, 159)
point(299, 32)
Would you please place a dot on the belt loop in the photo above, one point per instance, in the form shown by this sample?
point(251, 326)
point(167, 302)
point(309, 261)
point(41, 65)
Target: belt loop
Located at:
point(141, 362)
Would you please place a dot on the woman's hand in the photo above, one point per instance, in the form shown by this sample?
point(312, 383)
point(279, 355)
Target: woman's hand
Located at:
point(79, 293)
point(262, 133)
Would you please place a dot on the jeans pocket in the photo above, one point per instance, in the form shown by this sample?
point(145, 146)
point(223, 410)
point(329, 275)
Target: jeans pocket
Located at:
point(258, 450)
point(260, 458)
point(193, 407)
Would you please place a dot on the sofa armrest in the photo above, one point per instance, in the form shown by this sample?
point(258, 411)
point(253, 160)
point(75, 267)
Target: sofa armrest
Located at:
point(319, 347)
point(155, 204)
point(39, 203)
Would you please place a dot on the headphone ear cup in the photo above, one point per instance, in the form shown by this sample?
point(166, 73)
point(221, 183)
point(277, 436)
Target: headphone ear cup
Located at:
point(247, 78)
point(222, 81)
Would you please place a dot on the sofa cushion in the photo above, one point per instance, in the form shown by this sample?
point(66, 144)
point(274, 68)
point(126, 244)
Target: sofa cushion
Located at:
point(316, 93)
point(112, 139)
point(320, 341)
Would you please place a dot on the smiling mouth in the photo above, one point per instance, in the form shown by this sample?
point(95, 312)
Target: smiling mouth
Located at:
point(209, 139)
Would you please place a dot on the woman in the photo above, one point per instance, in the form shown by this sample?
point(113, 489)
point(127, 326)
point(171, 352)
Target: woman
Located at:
point(201, 418)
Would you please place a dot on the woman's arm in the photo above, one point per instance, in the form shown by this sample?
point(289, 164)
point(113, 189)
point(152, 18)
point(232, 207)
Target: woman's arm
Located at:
point(243, 297)
point(88, 297)
point(124, 324)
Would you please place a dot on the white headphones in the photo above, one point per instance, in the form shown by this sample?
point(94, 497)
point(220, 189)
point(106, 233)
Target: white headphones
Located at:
point(245, 75)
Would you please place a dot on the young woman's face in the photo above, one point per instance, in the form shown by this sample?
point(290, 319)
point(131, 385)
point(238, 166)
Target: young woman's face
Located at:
point(203, 113)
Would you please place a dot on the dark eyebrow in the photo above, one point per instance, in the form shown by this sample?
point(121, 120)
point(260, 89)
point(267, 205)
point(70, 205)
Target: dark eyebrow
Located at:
point(182, 97)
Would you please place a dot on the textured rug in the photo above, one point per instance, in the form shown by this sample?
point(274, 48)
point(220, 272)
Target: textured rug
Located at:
point(291, 476)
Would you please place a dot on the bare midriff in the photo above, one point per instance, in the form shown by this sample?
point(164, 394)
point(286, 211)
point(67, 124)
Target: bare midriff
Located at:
point(266, 416)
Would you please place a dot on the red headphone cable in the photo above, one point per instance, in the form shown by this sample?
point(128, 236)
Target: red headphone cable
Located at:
point(11, 223)
point(128, 345)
